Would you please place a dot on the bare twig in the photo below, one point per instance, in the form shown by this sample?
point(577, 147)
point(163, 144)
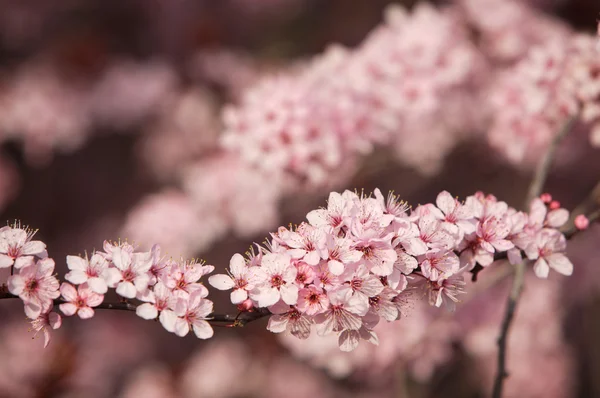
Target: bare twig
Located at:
point(535, 189)
point(543, 167)
point(511, 306)
point(232, 320)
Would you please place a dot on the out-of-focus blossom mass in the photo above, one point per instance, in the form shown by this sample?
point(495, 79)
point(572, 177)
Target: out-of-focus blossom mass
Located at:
point(187, 130)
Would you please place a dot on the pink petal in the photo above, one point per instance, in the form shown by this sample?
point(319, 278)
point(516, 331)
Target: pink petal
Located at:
point(502, 245)
point(69, 309)
point(54, 320)
point(289, 294)
point(238, 295)
point(33, 247)
point(221, 282)
point(147, 311)
point(514, 256)
point(24, 261)
point(202, 329)
point(348, 340)
point(560, 263)
point(268, 296)
point(85, 313)
point(121, 259)
point(181, 327)
point(126, 289)
point(68, 292)
point(277, 323)
point(76, 277)
point(336, 267)
point(33, 309)
point(557, 218)
point(77, 263)
point(167, 320)
point(112, 276)
point(94, 299)
point(237, 264)
point(312, 258)
point(445, 202)
point(5, 261)
point(16, 284)
point(97, 285)
point(541, 268)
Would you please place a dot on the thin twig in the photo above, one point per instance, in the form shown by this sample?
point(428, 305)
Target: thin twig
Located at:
point(535, 189)
point(511, 306)
point(543, 167)
point(239, 319)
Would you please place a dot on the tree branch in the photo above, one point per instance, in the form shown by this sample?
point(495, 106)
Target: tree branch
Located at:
point(237, 320)
point(535, 189)
point(543, 167)
point(511, 306)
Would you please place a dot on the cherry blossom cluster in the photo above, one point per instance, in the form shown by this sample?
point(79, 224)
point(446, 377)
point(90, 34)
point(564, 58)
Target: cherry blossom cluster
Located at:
point(165, 289)
point(358, 260)
point(309, 122)
point(534, 99)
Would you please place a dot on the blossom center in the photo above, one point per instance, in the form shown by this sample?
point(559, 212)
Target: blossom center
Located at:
point(32, 285)
point(276, 281)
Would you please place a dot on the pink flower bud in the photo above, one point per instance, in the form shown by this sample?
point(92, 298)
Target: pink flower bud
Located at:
point(546, 198)
point(245, 305)
point(581, 222)
point(555, 204)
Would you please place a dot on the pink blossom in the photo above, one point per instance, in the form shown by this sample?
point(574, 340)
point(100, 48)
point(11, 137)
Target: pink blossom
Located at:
point(183, 277)
point(305, 274)
point(340, 253)
point(288, 318)
point(361, 282)
point(312, 300)
point(344, 313)
point(16, 247)
point(457, 218)
point(383, 305)
point(391, 205)
point(445, 292)
point(439, 264)
point(130, 276)
point(307, 243)
point(378, 254)
point(491, 235)
point(243, 279)
point(79, 300)
point(46, 321)
point(91, 271)
point(279, 282)
point(332, 217)
point(192, 312)
point(36, 286)
point(548, 249)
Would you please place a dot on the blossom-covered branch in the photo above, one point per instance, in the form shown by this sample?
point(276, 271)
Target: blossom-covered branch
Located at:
point(353, 264)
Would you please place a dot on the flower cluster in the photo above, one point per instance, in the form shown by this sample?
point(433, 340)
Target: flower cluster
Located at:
point(358, 260)
point(167, 290)
point(31, 276)
point(308, 123)
point(534, 99)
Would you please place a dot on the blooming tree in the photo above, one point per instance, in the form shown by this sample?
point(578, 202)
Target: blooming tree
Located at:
point(365, 266)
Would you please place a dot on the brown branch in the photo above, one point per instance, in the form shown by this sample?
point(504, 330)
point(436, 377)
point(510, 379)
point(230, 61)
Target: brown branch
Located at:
point(236, 320)
point(543, 167)
point(511, 306)
point(535, 189)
